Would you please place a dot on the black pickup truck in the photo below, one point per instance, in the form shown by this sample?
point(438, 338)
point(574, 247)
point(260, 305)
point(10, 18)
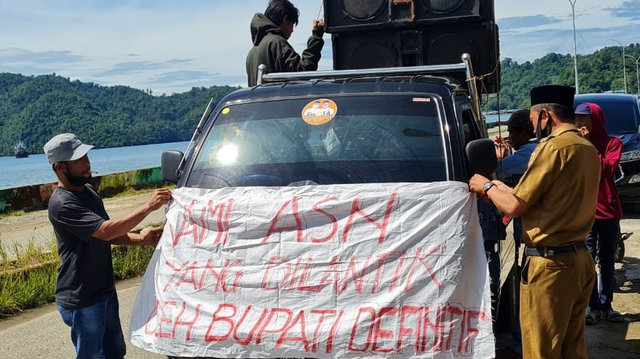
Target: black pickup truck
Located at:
point(387, 127)
point(342, 127)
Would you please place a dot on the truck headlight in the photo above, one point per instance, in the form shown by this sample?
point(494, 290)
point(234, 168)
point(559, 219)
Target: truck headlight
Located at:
point(630, 156)
point(634, 179)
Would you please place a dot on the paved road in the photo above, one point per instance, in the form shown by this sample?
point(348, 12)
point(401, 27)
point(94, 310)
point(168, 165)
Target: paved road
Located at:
point(40, 333)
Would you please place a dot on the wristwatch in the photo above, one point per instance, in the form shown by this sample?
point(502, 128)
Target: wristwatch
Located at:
point(486, 187)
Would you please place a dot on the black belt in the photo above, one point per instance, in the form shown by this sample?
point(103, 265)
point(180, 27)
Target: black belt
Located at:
point(551, 251)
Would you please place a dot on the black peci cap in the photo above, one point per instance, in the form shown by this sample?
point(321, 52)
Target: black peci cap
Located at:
point(561, 95)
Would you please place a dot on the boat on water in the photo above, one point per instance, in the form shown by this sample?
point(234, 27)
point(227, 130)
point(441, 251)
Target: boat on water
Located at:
point(21, 150)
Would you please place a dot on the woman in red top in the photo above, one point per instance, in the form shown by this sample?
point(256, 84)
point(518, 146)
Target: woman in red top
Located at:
point(603, 239)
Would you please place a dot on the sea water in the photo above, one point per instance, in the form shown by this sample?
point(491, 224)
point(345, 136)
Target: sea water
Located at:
point(35, 169)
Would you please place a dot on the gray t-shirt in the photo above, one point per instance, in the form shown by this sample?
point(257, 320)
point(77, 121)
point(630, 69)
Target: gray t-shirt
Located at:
point(85, 275)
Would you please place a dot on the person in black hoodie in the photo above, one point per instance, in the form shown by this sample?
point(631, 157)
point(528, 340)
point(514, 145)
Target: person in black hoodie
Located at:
point(270, 32)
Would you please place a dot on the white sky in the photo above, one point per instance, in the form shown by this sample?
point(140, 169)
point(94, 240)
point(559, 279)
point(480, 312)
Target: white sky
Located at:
point(170, 46)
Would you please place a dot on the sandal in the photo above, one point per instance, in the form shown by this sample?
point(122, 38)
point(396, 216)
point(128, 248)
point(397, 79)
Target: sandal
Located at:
point(590, 317)
point(613, 316)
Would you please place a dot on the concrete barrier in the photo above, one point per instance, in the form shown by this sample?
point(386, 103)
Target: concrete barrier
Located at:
point(36, 197)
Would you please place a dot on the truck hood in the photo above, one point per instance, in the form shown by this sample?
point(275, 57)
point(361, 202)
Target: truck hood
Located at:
point(630, 142)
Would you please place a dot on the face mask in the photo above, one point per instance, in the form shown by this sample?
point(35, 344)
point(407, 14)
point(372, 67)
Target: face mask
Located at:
point(540, 133)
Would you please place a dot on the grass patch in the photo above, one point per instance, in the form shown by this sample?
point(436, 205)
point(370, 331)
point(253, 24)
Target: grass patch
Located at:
point(10, 213)
point(29, 280)
point(131, 261)
point(25, 289)
point(25, 257)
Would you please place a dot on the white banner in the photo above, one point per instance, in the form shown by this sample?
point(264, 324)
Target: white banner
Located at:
point(362, 271)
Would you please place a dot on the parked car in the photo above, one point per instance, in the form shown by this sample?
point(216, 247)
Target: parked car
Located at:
point(622, 112)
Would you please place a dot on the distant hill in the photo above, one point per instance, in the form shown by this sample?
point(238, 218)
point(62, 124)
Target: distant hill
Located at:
point(35, 108)
point(597, 72)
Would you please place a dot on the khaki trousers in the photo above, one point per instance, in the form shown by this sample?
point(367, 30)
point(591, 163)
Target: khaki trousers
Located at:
point(554, 295)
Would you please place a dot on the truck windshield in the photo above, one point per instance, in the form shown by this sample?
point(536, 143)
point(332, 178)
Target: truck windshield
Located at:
point(358, 139)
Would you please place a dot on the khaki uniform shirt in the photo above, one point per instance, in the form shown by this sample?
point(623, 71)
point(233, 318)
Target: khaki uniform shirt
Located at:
point(561, 188)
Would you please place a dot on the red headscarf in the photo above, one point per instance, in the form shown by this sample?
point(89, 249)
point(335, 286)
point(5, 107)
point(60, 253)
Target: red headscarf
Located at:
point(609, 150)
point(599, 136)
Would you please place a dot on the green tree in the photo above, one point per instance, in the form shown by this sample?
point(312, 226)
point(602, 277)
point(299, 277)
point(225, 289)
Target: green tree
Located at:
point(598, 72)
point(35, 108)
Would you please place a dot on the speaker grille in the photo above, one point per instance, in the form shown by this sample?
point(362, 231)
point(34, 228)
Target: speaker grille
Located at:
point(353, 51)
point(428, 45)
point(363, 10)
point(442, 7)
point(348, 15)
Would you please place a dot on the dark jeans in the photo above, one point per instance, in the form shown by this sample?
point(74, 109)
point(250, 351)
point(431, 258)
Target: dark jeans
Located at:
point(517, 230)
point(95, 330)
point(516, 330)
point(491, 249)
point(602, 242)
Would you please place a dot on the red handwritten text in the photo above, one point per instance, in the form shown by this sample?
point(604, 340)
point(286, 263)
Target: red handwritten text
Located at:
point(407, 329)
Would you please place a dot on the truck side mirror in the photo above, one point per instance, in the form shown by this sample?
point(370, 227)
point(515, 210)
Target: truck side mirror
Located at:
point(169, 163)
point(481, 156)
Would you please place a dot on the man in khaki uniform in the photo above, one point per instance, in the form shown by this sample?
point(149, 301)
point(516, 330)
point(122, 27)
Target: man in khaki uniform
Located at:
point(556, 199)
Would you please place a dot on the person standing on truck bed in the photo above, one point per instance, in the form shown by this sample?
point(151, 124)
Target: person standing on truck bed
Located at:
point(270, 32)
point(85, 289)
point(556, 198)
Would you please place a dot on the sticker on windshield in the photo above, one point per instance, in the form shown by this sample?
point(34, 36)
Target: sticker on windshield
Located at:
point(318, 112)
point(226, 110)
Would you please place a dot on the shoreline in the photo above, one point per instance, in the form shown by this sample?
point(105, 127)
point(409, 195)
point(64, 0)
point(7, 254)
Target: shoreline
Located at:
point(36, 197)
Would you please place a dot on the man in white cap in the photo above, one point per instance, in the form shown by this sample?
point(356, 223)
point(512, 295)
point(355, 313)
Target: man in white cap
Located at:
point(85, 289)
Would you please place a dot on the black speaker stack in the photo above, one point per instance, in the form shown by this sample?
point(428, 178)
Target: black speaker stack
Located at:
point(394, 33)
